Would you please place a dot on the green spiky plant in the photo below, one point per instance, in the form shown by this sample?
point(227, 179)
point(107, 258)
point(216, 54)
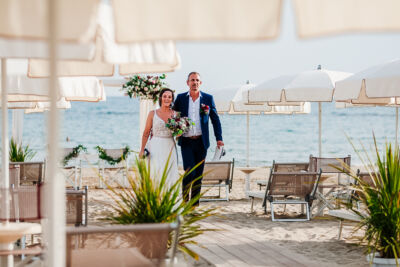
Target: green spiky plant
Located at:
point(20, 153)
point(381, 218)
point(148, 201)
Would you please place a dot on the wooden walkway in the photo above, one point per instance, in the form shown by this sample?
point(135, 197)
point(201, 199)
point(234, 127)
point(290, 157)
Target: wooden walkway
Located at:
point(231, 247)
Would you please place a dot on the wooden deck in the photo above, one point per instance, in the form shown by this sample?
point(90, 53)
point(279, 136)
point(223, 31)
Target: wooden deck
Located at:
point(230, 247)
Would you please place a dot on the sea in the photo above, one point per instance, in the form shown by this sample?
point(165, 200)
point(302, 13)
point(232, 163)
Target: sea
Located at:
point(283, 138)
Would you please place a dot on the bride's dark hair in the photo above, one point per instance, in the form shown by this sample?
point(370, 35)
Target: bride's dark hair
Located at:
point(161, 94)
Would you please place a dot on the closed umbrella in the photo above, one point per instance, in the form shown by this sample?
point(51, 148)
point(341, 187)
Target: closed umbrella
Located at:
point(312, 86)
point(378, 85)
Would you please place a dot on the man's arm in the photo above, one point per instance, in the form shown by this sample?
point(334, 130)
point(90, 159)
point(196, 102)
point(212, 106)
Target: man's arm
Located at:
point(216, 123)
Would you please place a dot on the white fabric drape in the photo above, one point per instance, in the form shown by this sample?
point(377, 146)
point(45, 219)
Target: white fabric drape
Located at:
point(146, 106)
point(17, 125)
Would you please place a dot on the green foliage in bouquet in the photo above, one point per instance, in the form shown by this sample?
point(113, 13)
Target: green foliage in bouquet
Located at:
point(145, 86)
point(381, 199)
point(149, 200)
point(20, 153)
point(179, 125)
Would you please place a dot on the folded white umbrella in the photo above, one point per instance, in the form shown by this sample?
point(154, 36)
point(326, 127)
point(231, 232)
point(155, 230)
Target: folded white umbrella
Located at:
point(137, 57)
point(24, 89)
point(378, 85)
point(323, 17)
point(313, 86)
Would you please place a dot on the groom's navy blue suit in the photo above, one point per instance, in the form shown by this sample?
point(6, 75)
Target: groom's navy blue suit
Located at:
point(195, 150)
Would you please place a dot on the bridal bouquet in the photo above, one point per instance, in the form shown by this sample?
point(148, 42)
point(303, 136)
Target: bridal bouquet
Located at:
point(144, 86)
point(179, 125)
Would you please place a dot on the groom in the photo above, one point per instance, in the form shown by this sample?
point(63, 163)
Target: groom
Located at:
point(199, 107)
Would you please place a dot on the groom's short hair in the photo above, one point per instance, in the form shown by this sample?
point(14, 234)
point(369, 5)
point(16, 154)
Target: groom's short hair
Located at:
point(193, 72)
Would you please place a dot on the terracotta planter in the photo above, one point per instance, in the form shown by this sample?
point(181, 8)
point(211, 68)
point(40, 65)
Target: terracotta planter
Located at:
point(381, 262)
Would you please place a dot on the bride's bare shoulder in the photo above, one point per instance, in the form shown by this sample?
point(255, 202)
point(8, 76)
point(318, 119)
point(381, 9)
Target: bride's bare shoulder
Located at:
point(151, 114)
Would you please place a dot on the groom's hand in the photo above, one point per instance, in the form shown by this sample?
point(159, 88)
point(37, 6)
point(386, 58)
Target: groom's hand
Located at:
point(220, 143)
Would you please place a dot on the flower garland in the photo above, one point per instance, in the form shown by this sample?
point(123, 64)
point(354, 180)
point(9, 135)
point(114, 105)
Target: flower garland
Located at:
point(75, 153)
point(103, 155)
point(145, 86)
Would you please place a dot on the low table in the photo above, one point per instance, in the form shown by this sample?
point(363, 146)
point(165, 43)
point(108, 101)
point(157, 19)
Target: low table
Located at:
point(11, 232)
point(248, 171)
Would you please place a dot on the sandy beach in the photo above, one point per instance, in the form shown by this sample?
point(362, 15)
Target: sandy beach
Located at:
point(316, 240)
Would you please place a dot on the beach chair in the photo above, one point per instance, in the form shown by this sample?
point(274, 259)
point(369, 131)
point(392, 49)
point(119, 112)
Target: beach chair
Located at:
point(218, 174)
point(24, 203)
point(122, 245)
point(276, 167)
point(347, 214)
point(300, 186)
point(14, 174)
point(77, 206)
point(30, 172)
point(113, 173)
point(285, 167)
point(73, 169)
point(24, 206)
point(330, 166)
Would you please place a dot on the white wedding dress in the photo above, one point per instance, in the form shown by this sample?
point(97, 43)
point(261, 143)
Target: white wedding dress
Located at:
point(160, 146)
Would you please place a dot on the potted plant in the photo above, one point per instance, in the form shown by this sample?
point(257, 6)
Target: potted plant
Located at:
point(20, 153)
point(381, 199)
point(149, 200)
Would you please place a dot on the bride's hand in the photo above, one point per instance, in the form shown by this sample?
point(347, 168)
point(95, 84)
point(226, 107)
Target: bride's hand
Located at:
point(141, 153)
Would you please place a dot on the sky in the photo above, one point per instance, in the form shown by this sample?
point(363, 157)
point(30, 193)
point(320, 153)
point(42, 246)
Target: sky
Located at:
point(223, 64)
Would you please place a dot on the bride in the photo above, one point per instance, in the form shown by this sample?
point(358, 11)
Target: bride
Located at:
point(159, 138)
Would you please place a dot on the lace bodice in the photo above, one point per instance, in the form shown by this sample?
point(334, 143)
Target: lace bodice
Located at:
point(159, 128)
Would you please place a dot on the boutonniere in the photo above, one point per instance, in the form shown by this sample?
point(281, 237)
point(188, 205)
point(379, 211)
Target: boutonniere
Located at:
point(204, 109)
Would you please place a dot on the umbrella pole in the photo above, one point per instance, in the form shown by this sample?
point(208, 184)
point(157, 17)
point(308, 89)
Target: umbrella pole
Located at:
point(248, 139)
point(397, 124)
point(320, 129)
point(55, 195)
point(4, 126)
point(9, 260)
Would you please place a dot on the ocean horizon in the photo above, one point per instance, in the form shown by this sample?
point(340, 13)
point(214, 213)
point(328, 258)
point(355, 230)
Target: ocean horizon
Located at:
point(115, 123)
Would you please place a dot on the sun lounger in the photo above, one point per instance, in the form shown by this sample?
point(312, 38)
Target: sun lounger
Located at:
point(301, 186)
point(77, 206)
point(24, 203)
point(30, 172)
point(347, 214)
point(285, 167)
point(121, 245)
point(335, 166)
point(218, 174)
point(276, 167)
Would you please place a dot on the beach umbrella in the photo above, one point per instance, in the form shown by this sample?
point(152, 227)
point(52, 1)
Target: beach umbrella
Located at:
point(313, 86)
point(378, 85)
point(325, 17)
point(230, 100)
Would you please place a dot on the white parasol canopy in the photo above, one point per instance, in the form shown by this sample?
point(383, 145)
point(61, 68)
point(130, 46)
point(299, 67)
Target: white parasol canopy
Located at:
point(375, 86)
point(230, 100)
point(326, 17)
point(314, 86)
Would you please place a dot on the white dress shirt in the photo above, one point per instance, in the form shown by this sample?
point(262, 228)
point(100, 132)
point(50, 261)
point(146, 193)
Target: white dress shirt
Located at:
point(194, 115)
